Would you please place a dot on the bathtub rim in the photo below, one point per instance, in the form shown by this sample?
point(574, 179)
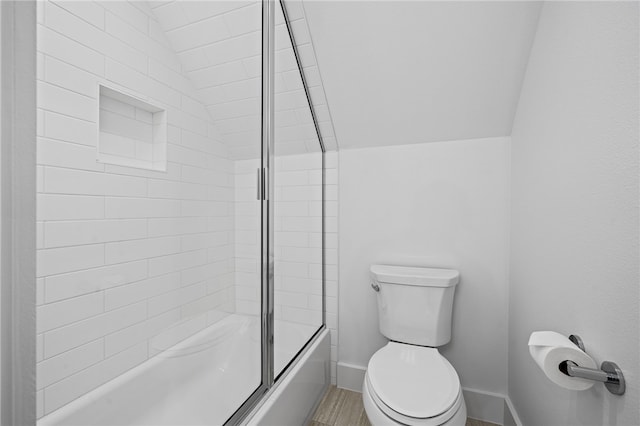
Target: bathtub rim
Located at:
point(255, 400)
point(285, 377)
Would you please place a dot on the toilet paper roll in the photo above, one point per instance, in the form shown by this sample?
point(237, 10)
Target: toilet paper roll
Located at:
point(549, 349)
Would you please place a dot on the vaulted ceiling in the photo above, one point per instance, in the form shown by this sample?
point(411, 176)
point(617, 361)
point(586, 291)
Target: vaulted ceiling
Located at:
point(394, 72)
point(400, 72)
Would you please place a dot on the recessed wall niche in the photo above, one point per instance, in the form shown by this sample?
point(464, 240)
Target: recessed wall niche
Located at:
point(131, 132)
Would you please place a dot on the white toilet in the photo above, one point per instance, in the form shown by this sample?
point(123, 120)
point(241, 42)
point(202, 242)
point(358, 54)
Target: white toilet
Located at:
point(408, 382)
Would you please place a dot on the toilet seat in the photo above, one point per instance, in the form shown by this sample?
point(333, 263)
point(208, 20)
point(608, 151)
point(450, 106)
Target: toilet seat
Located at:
point(380, 414)
point(414, 385)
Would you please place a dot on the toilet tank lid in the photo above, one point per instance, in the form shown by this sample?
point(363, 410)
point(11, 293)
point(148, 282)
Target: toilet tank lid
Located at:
point(407, 275)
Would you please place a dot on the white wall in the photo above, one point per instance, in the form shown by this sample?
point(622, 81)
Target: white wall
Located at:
point(123, 253)
point(574, 245)
point(435, 204)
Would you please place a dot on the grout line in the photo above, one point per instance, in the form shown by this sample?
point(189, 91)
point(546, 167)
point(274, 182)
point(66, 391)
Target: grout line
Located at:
point(209, 17)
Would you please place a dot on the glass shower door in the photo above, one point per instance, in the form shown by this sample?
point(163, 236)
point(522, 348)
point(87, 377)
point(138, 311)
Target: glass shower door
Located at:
point(149, 228)
point(297, 205)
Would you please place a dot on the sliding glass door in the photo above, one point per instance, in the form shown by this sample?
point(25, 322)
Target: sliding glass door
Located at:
point(297, 202)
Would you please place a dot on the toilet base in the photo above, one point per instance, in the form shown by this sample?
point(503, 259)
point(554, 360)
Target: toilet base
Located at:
point(379, 418)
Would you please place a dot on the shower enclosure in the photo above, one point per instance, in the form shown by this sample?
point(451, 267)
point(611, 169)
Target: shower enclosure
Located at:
point(180, 212)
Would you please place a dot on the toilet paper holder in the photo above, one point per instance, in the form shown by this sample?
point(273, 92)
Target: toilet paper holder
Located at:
point(609, 374)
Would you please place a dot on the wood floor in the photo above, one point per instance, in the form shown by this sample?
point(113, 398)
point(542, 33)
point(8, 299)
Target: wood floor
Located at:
point(341, 407)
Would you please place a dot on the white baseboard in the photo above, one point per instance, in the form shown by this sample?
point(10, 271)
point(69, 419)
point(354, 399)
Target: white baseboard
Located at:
point(350, 376)
point(510, 414)
point(485, 406)
point(481, 405)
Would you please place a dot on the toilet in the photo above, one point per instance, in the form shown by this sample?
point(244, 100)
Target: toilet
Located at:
point(408, 381)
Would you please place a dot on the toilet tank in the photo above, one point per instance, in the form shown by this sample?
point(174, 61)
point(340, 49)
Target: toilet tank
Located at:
point(415, 304)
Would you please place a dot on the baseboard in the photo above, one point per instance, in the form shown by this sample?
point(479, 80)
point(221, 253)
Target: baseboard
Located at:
point(510, 414)
point(485, 406)
point(350, 376)
point(481, 405)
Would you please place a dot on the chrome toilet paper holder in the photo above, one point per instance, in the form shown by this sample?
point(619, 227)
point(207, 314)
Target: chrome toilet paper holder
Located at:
point(609, 374)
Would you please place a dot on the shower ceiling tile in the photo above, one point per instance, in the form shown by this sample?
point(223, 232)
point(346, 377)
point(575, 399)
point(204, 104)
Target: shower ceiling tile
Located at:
point(291, 100)
point(292, 80)
point(245, 151)
point(122, 30)
point(301, 31)
point(160, 72)
point(285, 60)
point(236, 108)
point(157, 33)
point(282, 37)
point(253, 66)
point(307, 56)
point(278, 84)
point(219, 44)
point(287, 117)
point(198, 34)
point(196, 10)
point(171, 15)
point(244, 20)
point(232, 49)
point(218, 75)
point(294, 10)
point(158, 3)
point(193, 59)
point(235, 125)
point(243, 139)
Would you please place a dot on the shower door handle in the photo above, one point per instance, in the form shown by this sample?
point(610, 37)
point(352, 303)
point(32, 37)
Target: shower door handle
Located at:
point(261, 184)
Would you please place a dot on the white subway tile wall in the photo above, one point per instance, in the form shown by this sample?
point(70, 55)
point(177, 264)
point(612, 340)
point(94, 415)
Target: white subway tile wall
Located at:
point(331, 254)
point(123, 253)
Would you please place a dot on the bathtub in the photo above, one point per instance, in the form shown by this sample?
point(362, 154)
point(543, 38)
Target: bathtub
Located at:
point(205, 378)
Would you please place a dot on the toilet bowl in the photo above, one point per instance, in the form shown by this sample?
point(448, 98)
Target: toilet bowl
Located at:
point(412, 385)
point(408, 382)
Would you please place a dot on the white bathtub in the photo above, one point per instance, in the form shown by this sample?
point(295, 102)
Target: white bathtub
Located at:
point(203, 380)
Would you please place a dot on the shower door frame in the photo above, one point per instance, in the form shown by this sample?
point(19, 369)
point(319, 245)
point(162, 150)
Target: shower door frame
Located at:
point(316, 126)
point(265, 191)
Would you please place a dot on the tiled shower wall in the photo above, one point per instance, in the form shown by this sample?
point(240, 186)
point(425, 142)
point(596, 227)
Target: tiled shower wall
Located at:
point(123, 253)
point(298, 273)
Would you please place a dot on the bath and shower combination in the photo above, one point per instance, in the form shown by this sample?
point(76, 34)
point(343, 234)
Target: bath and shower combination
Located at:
point(180, 219)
